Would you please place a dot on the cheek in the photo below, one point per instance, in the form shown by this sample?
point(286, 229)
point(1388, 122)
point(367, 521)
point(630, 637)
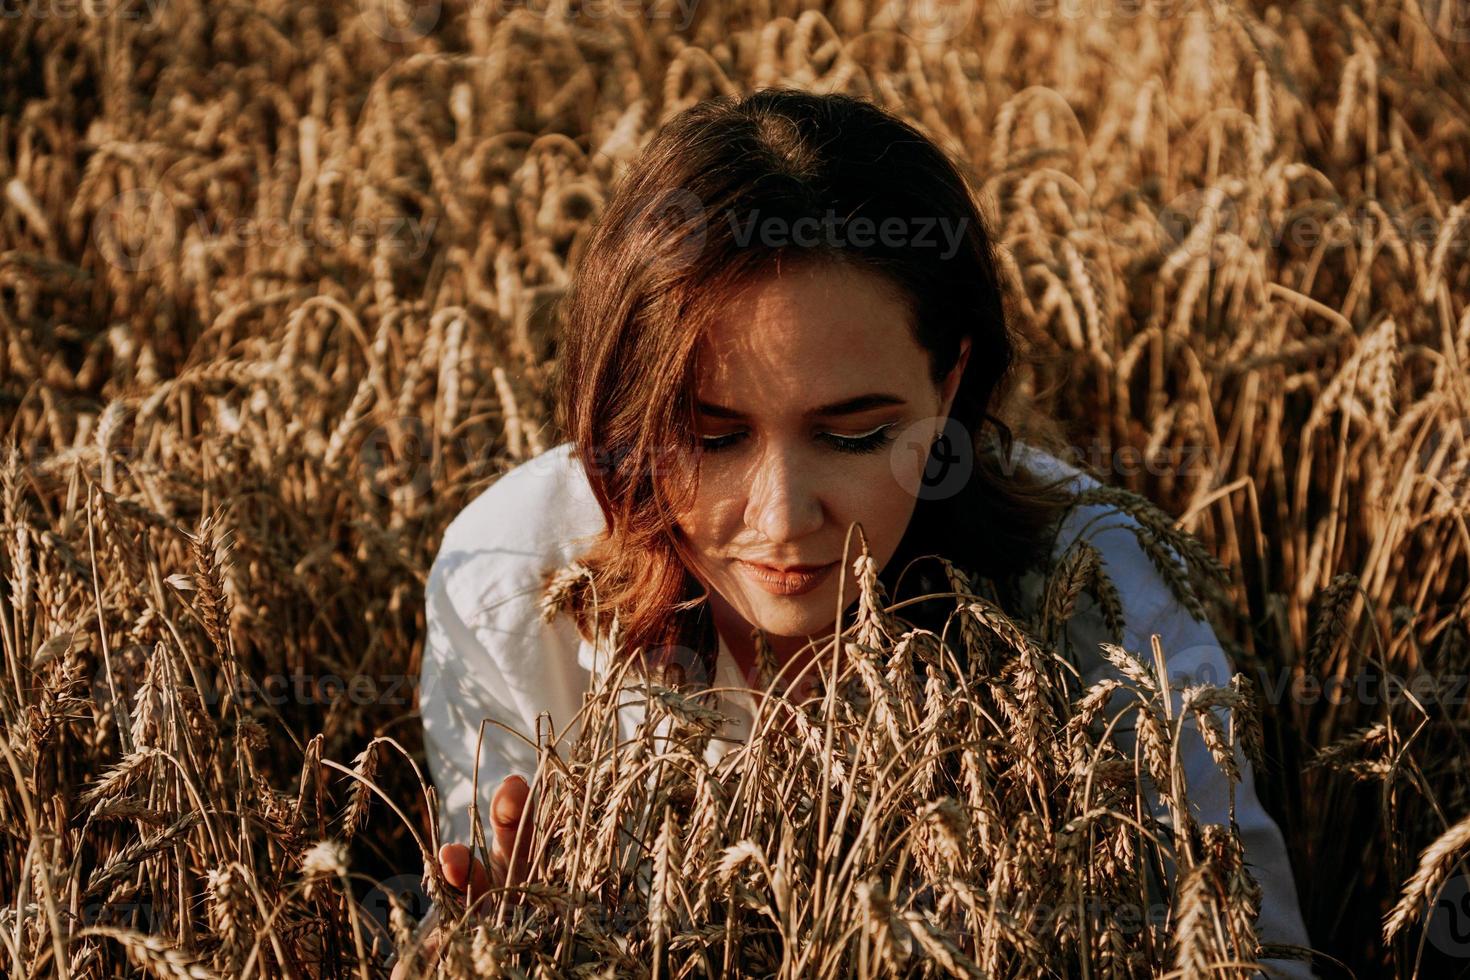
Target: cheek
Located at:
point(878, 502)
point(708, 520)
point(891, 511)
point(869, 491)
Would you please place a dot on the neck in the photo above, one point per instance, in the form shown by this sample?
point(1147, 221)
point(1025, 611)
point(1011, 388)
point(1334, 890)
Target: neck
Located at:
point(794, 655)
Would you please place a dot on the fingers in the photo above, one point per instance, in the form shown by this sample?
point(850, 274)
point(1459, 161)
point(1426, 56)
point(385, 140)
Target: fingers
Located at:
point(508, 811)
point(464, 873)
point(461, 869)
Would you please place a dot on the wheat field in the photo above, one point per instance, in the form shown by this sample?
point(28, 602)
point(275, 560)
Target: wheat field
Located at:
point(278, 289)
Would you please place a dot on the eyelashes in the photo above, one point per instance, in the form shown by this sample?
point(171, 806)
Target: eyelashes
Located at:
point(869, 442)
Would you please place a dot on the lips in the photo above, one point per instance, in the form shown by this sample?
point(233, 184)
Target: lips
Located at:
point(792, 580)
point(787, 569)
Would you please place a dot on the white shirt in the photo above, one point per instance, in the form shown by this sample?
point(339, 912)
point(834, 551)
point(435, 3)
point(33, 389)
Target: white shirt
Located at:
point(488, 654)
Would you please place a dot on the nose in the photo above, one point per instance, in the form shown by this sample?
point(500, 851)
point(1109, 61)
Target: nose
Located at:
point(782, 504)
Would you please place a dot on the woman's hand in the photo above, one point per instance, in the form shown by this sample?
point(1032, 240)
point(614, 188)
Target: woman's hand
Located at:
point(467, 875)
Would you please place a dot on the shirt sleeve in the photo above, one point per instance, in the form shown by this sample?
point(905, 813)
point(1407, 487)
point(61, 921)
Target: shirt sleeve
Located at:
point(1192, 655)
point(487, 652)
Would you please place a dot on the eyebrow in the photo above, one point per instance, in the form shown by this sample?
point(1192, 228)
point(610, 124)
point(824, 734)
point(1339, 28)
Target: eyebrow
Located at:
point(848, 406)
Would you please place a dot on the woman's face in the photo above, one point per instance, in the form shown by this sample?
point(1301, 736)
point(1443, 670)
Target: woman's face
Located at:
point(814, 410)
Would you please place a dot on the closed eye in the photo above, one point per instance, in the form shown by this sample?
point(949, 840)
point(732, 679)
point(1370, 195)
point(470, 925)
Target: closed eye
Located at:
point(868, 442)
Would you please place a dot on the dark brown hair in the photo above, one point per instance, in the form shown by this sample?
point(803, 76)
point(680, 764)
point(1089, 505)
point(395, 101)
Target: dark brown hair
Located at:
point(668, 250)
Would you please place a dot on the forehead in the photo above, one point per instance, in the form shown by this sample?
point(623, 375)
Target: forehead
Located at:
point(813, 328)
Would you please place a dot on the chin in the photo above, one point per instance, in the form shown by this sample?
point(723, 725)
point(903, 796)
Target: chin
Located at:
point(782, 623)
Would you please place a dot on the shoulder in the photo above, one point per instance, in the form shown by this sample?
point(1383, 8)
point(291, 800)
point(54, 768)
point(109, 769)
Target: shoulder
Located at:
point(487, 654)
point(1039, 462)
point(1116, 535)
point(533, 517)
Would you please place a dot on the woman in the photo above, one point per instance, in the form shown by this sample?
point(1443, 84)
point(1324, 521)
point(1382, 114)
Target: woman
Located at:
point(787, 320)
